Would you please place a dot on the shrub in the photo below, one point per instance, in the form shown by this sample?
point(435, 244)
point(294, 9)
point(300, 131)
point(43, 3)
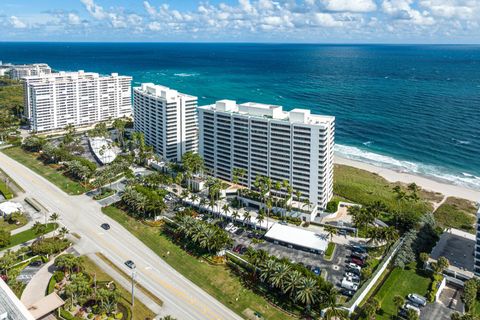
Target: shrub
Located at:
point(59, 276)
point(51, 285)
point(119, 315)
point(332, 206)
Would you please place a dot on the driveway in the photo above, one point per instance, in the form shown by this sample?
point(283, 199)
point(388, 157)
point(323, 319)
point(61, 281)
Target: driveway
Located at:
point(450, 301)
point(37, 286)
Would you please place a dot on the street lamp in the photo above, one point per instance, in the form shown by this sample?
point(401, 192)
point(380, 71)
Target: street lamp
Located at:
point(133, 285)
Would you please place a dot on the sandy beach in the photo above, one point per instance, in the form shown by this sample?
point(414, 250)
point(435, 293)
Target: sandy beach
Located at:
point(425, 183)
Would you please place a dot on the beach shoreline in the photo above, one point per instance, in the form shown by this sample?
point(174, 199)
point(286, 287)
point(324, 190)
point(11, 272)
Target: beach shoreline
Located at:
point(448, 190)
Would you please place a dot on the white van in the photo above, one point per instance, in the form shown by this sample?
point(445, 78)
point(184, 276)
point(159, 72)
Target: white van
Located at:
point(346, 284)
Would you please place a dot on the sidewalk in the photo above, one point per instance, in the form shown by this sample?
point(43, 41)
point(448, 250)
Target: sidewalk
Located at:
point(37, 287)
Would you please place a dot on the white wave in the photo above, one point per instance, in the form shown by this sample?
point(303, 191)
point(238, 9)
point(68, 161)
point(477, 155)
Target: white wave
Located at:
point(367, 143)
point(184, 74)
point(430, 171)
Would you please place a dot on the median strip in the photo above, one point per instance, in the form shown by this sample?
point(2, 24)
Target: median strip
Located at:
point(145, 291)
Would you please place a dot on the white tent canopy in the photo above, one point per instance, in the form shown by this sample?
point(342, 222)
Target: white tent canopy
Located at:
point(298, 237)
point(7, 208)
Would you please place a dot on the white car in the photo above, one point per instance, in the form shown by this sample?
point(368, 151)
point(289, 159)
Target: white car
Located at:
point(354, 266)
point(417, 299)
point(229, 226)
point(233, 229)
point(408, 306)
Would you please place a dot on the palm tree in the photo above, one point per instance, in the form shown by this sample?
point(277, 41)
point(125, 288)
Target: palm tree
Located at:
point(398, 301)
point(269, 206)
point(39, 229)
point(298, 194)
point(226, 209)
point(267, 269)
point(329, 301)
point(193, 198)
point(54, 217)
point(279, 275)
point(307, 291)
point(331, 230)
point(246, 216)
point(63, 232)
point(260, 219)
point(235, 215)
point(292, 283)
point(203, 203)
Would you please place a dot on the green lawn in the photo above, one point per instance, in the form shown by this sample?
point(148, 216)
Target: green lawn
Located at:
point(457, 213)
point(5, 225)
point(364, 187)
point(218, 281)
point(28, 235)
point(49, 172)
point(400, 282)
point(140, 311)
point(330, 250)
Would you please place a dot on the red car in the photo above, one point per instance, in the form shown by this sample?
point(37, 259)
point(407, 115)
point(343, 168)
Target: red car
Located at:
point(238, 248)
point(358, 262)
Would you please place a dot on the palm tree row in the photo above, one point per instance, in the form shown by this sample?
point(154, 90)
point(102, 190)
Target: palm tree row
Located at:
point(294, 282)
point(143, 205)
point(204, 235)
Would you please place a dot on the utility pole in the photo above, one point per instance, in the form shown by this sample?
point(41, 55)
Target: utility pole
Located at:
point(133, 286)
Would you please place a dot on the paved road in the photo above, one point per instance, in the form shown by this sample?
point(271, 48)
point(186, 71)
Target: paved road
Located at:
point(82, 215)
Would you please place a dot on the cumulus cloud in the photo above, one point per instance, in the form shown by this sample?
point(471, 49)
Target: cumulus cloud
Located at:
point(263, 19)
point(16, 23)
point(350, 6)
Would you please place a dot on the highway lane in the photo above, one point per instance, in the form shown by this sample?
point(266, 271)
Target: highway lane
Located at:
point(82, 215)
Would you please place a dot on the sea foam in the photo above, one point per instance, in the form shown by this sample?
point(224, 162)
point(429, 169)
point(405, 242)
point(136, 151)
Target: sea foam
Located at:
point(437, 173)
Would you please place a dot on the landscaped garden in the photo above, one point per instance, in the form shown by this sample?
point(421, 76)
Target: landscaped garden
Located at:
point(217, 280)
point(38, 230)
point(12, 222)
point(90, 293)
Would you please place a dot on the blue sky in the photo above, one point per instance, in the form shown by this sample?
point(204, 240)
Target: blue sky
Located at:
point(331, 21)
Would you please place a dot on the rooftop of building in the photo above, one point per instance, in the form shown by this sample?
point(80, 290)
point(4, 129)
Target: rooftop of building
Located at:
point(269, 111)
point(33, 65)
point(159, 91)
point(298, 237)
point(458, 247)
point(72, 75)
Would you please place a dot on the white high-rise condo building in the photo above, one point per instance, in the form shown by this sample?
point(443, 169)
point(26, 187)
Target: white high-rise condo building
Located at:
point(167, 118)
point(296, 146)
point(18, 72)
point(80, 98)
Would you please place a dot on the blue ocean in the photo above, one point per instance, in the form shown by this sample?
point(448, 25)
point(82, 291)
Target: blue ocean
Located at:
point(411, 108)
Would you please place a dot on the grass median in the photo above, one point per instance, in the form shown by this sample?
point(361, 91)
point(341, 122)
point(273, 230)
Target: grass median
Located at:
point(49, 172)
point(218, 281)
point(457, 213)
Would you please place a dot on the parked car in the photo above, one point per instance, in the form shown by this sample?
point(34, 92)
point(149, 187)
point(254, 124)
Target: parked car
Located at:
point(229, 226)
point(417, 299)
point(233, 229)
point(243, 250)
point(352, 277)
point(105, 226)
point(317, 270)
point(37, 263)
point(360, 256)
point(358, 262)
point(130, 264)
point(410, 306)
point(353, 266)
point(359, 249)
point(238, 248)
point(348, 293)
point(239, 231)
point(349, 285)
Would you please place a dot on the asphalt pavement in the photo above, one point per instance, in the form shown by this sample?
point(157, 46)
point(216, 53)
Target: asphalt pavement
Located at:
point(82, 215)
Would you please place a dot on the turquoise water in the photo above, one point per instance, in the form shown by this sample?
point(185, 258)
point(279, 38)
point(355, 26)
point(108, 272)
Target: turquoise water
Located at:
point(410, 108)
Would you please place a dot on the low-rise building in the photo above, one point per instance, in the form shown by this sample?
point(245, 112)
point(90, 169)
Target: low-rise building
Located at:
point(17, 72)
point(9, 207)
point(458, 247)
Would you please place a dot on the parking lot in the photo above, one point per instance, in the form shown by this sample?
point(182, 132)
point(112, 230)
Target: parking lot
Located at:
point(449, 302)
point(27, 274)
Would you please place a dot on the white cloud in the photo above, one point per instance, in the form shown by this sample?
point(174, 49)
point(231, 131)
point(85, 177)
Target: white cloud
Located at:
point(74, 19)
point(459, 9)
point(326, 20)
point(154, 26)
point(95, 10)
point(350, 6)
point(16, 23)
point(402, 10)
